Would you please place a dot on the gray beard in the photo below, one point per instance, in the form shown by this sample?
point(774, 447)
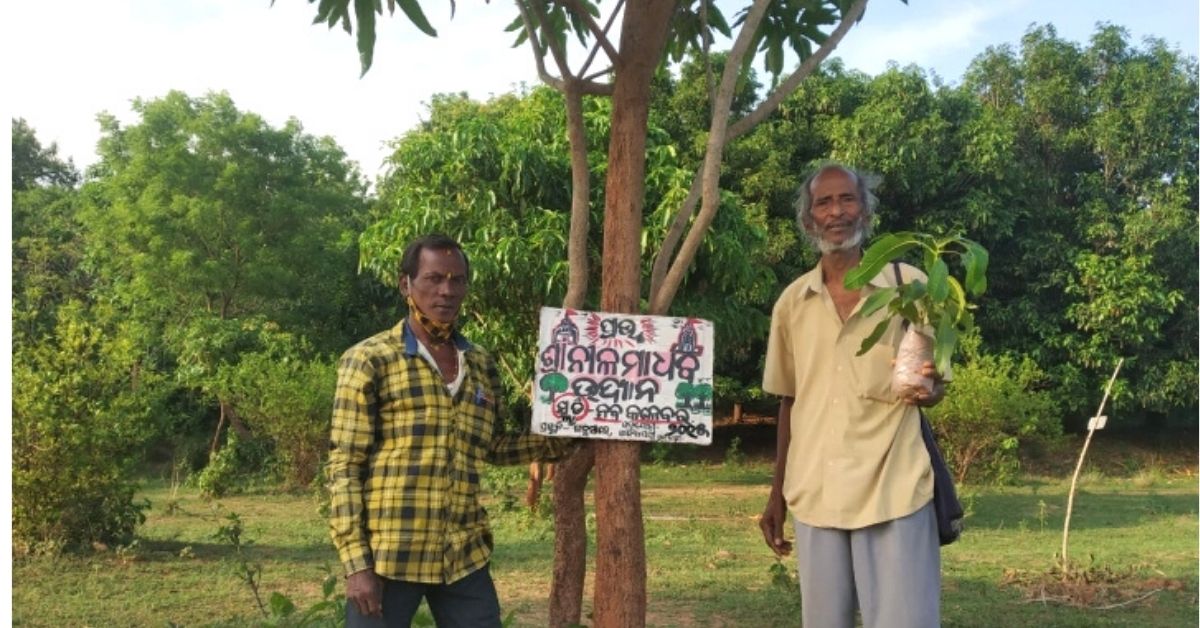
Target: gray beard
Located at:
point(849, 244)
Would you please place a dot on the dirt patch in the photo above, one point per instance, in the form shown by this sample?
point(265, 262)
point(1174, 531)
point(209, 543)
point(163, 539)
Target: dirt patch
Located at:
point(1094, 587)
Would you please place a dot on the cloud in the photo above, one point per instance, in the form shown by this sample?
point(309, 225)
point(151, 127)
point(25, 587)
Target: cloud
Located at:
point(923, 33)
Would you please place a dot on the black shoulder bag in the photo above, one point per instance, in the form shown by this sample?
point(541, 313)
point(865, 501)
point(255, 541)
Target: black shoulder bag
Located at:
point(945, 499)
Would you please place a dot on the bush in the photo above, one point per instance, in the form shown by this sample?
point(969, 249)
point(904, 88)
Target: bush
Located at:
point(82, 414)
point(993, 404)
point(233, 466)
point(285, 396)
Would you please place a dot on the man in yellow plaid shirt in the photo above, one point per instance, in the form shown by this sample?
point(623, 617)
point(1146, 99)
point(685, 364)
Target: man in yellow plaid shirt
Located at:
point(415, 415)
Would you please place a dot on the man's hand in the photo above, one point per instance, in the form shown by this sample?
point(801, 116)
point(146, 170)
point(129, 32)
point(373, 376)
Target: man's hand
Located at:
point(771, 524)
point(364, 590)
point(929, 398)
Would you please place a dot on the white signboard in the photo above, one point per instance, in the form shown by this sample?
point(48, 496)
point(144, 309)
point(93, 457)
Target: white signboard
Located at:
point(623, 377)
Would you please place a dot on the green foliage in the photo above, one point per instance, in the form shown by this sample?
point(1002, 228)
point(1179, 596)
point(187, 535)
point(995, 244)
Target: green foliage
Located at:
point(83, 410)
point(995, 403)
point(506, 484)
point(661, 452)
point(285, 396)
point(46, 238)
point(202, 210)
point(234, 465)
point(35, 166)
point(734, 455)
point(939, 302)
point(496, 176)
point(1092, 152)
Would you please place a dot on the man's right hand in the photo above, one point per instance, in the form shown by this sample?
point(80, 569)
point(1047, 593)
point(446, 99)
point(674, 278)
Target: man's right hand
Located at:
point(771, 524)
point(364, 590)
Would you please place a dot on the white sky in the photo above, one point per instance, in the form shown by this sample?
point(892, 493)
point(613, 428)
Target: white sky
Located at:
point(68, 60)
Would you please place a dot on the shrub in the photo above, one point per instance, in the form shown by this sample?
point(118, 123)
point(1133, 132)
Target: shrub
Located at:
point(82, 413)
point(285, 396)
point(233, 466)
point(994, 402)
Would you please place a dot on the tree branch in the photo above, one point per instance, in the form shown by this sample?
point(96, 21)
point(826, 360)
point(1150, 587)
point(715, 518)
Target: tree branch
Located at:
point(663, 292)
point(577, 254)
point(789, 85)
point(535, 44)
point(585, 85)
point(601, 35)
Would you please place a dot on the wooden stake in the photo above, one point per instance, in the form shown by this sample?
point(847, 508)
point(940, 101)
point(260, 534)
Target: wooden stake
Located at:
point(1079, 466)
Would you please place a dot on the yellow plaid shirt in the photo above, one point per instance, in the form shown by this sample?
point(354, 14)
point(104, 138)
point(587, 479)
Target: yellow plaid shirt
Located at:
point(405, 460)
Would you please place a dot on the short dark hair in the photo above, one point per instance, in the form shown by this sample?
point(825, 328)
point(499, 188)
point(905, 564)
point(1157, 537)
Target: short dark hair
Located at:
point(410, 262)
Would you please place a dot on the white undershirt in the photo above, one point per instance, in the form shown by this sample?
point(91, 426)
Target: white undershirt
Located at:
point(458, 378)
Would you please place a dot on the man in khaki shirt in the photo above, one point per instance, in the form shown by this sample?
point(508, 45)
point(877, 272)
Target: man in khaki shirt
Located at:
point(850, 464)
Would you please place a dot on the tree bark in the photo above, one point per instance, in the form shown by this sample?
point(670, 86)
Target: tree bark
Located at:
point(570, 538)
point(620, 595)
point(570, 480)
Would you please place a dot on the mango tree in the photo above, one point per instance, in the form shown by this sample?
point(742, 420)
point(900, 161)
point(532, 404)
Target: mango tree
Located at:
point(649, 30)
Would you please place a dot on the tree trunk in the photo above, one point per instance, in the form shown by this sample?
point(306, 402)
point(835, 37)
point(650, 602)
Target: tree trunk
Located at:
point(570, 538)
point(570, 527)
point(235, 423)
point(216, 441)
point(620, 595)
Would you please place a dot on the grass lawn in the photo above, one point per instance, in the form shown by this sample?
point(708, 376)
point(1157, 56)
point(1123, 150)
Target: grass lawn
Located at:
point(707, 563)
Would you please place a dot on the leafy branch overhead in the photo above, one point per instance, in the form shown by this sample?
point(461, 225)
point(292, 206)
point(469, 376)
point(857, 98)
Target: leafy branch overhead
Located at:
point(795, 25)
point(333, 12)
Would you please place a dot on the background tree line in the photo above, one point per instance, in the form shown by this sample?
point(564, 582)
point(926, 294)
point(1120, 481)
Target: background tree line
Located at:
point(186, 298)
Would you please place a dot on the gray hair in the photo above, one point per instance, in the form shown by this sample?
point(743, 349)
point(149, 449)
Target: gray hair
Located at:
point(865, 183)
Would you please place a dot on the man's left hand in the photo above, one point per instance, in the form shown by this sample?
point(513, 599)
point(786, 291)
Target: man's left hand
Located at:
point(927, 398)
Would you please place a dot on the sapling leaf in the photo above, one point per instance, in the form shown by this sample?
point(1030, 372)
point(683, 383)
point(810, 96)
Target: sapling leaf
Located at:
point(877, 300)
point(882, 251)
point(959, 298)
point(944, 340)
point(912, 291)
point(938, 287)
point(281, 606)
point(876, 334)
point(929, 252)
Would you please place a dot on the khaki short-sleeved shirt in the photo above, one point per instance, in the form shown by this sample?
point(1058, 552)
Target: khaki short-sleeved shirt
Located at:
point(856, 457)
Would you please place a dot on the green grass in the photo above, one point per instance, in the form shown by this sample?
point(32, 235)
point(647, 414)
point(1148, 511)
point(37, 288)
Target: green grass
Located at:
point(707, 564)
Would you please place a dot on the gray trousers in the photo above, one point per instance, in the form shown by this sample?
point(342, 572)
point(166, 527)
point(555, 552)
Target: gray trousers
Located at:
point(891, 571)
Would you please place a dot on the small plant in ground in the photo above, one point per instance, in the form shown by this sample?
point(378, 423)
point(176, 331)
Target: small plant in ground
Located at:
point(734, 455)
point(178, 472)
point(246, 571)
point(784, 576)
point(279, 609)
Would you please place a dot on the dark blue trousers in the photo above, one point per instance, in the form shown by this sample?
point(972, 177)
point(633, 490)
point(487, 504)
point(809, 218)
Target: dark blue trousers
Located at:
point(467, 603)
